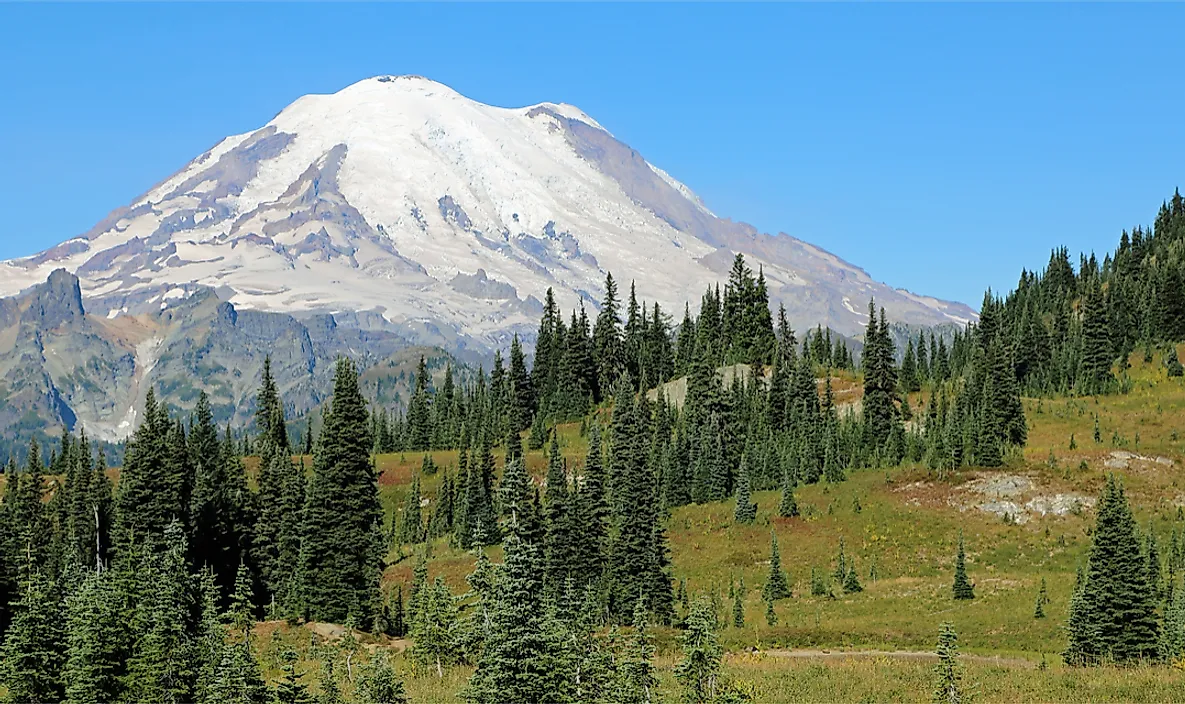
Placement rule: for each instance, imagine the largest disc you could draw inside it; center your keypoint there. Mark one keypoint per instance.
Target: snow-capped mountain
(403, 202)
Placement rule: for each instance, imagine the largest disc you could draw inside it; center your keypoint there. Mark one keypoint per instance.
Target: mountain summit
(398, 196)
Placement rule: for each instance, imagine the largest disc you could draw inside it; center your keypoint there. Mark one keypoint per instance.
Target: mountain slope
(446, 217)
(61, 366)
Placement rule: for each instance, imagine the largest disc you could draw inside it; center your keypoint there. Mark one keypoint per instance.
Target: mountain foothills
(565, 531)
(61, 366)
(442, 219)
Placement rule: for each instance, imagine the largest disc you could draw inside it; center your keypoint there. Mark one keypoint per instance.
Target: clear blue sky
(941, 147)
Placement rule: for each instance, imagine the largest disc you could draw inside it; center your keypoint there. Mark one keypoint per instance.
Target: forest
(537, 533)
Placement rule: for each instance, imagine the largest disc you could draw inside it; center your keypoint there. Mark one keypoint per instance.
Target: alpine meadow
(404, 397)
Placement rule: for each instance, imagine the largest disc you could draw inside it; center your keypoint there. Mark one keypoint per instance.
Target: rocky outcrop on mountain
(399, 199)
(62, 367)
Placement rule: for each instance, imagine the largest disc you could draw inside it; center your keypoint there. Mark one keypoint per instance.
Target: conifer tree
(435, 629)
(34, 644)
(637, 680)
(949, 675)
(777, 586)
(738, 609)
(1097, 354)
(607, 345)
(880, 383)
(419, 412)
(522, 391)
(220, 502)
(592, 515)
(558, 548)
(1113, 612)
(148, 497)
(163, 663)
(380, 684)
(851, 581)
(1171, 646)
(290, 689)
(746, 510)
(411, 528)
(962, 589)
(787, 506)
(699, 671)
(341, 554)
(638, 559)
(523, 659)
(95, 631)
(1172, 364)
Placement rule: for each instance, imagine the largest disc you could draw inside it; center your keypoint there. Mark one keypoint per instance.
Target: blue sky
(940, 146)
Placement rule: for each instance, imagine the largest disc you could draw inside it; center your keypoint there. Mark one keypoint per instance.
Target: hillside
(1024, 522)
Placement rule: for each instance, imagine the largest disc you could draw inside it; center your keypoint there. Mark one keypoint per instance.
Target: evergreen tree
(411, 527)
(163, 662)
(220, 502)
(699, 671)
(962, 589)
(880, 383)
(95, 631)
(638, 559)
(1097, 354)
(289, 689)
(522, 660)
(1113, 612)
(1175, 369)
(746, 510)
(435, 629)
(419, 412)
(558, 550)
(738, 609)
(1171, 647)
(341, 554)
(788, 506)
(591, 514)
(777, 586)
(851, 581)
(607, 343)
(637, 681)
(949, 689)
(34, 644)
(380, 685)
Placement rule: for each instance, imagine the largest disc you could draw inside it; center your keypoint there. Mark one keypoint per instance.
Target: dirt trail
(809, 653)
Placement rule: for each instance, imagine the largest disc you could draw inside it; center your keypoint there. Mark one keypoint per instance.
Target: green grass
(908, 526)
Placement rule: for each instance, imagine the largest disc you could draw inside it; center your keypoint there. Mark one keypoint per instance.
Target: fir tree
(163, 662)
(435, 630)
(962, 589)
(1113, 612)
(289, 689)
(787, 506)
(949, 675)
(341, 556)
(522, 660)
(411, 528)
(1172, 364)
(95, 633)
(746, 510)
(851, 581)
(699, 671)
(607, 344)
(379, 684)
(637, 681)
(419, 412)
(777, 586)
(738, 609)
(34, 645)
